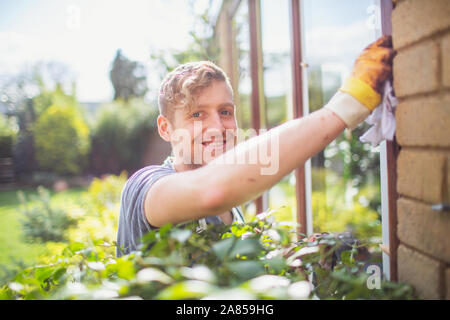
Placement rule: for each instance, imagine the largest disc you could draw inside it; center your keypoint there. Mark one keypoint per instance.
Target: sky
(85, 34)
(334, 33)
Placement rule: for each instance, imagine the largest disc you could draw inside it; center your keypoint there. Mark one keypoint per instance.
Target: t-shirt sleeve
(133, 223)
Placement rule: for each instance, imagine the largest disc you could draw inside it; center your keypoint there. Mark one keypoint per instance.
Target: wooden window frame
(392, 151)
(298, 108)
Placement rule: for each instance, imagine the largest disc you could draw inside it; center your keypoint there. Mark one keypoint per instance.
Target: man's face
(208, 129)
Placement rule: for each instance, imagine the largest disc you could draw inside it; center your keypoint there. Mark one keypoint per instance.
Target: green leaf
(74, 247)
(277, 264)
(149, 237)
(347, 258)
(164, 230)
(43, 273)
(231, 248)
(59, 273)
(245, 270)
(223, 247)
(190, 289)
(124, 269)
(248, 248)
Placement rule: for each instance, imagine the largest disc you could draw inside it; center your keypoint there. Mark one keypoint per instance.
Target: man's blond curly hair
(181, 86)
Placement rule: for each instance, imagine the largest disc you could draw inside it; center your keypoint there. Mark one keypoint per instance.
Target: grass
(14, 250)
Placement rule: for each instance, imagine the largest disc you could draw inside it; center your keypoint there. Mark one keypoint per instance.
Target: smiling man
(210, 174)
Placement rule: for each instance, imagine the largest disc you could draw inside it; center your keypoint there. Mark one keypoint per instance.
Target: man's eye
(196, 114)
(226, 113)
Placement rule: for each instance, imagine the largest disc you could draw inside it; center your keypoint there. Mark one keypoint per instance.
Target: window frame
(389, 149)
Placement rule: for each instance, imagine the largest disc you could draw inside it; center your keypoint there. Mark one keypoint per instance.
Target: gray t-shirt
(133, 224)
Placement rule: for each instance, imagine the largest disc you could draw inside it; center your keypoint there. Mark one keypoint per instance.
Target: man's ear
(164, 128)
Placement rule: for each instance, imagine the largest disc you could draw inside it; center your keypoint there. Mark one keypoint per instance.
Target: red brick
(445, 54)
(416, 69)
(413, 20)
(424, 229)
(421, 175)
(424, 121)
(422, 272)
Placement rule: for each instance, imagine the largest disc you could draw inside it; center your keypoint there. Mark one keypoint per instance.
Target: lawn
(13, 247)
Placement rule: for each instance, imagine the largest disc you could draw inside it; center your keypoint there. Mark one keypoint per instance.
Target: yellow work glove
(365, 84)
(371, 69)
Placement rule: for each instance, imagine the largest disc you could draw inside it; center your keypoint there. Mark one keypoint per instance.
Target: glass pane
(345, 176)
(244, 88)
(275, 36)
(243, 94)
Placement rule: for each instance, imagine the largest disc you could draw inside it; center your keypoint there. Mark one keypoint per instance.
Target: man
(210, 174)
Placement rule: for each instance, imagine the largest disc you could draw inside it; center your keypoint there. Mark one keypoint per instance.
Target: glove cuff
(362, 92)
(346, 107)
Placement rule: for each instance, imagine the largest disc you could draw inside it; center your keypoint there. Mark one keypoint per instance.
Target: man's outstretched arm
(223, 184)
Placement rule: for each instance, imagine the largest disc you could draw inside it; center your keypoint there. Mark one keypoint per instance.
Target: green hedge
(120, 135)
(61, 140)
(258, 260)
(44, 222)
(8, 135)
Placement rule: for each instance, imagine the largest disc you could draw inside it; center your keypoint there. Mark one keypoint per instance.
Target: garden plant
(262, 259)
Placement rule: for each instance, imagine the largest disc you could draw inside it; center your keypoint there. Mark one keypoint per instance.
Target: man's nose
(215, 121)
(215, 125)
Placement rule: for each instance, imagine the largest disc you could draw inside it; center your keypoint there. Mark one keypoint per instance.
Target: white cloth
(382, 119)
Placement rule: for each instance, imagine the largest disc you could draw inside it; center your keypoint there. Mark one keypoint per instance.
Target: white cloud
(340, 44)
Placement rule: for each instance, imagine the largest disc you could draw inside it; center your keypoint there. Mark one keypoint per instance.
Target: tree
(203, 45)
(25, 96)
(61, 139)
(127, 77)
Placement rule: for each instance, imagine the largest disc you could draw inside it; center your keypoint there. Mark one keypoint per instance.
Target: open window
(286, 59)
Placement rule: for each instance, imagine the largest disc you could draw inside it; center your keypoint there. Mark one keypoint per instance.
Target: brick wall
(421, 36)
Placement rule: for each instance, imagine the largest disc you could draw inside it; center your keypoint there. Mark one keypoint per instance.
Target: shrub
(44, 222)
(333, 210)
(100, 215)
(334, 216)
(8, 135)
(62, 140)
(252, 261)
(262, 259)
(57, 96)
(339, 206)
(120, 135)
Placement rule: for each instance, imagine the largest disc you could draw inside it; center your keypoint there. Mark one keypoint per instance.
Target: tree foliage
(8, 135)
(44, 222)
(127, 77)
(257, 260)
(203, 45)
(120, 135)
(62, 140)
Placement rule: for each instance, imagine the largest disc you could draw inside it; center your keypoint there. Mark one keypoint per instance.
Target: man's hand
(374, 65)
(371, 69)
(361, 92)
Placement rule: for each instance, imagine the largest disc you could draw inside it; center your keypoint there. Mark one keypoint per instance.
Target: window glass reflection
(277, 73)
(243, 93)
(345, 176)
